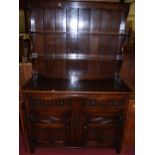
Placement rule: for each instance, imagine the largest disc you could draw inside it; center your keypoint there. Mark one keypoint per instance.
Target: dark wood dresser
(75, 97)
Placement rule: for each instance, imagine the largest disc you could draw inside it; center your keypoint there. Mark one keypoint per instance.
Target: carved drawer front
(103, 105)
(48, 105)
(102, 130)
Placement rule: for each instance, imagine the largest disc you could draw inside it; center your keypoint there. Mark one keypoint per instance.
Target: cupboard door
(101, 129)
(49, 121)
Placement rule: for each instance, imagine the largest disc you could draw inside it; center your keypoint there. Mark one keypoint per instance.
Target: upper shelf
(75, 56)
(80, 33)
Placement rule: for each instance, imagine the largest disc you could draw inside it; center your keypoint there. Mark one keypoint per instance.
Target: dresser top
(83, 39)
(77, 45)
(73, 84)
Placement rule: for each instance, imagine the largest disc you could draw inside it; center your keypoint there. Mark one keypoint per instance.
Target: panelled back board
(84, 39)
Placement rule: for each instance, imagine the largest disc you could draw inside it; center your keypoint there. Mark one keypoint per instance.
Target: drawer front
(49, 105)
(94, 105)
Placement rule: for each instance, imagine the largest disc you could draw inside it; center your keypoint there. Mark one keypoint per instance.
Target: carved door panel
(101, 130)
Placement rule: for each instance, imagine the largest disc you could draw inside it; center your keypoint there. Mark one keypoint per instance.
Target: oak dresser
(75, 97)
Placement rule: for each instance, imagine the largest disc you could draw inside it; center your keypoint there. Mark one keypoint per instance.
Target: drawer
(49, 105)
(103, 105)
